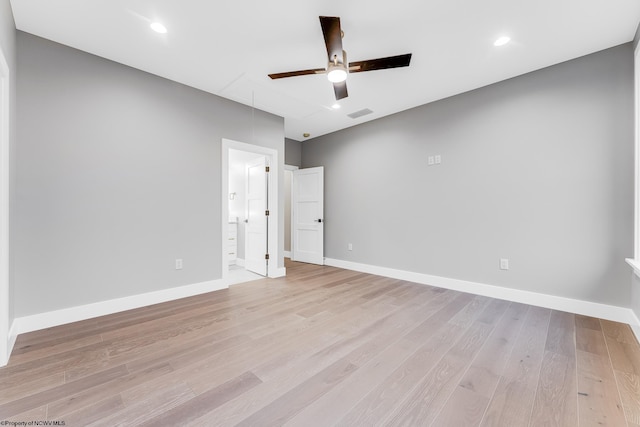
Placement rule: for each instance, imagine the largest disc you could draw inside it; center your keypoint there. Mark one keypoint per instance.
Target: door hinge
(266, 256)
(266, 169)
(266, 213)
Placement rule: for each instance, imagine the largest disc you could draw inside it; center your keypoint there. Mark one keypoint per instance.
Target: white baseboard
(49, 319)
(586, 308)
(277, 272)
(287, 254)
(635, 324)
(13, 335)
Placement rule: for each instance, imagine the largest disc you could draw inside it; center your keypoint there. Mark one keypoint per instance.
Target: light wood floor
(324, 347)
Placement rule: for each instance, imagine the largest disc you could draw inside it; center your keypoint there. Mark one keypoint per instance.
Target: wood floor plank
(423, 404)
(561, 335)
(587, 322)
(592, 341)
(468, 409)
(74, 402)
(482, 376)
(36, 400)
(94, 412)
(331, 407)
(204, 402)
(34, 414)
(510, 405)
(154, 404)
(292, 402)
(281, 373)
(29, 388)
(440, 360)
(327, 346)
(556, 402)
(253, 350)
(488, 366)
(599, 402)
(629, 388)
(618, 331)
(624, 357)
(199, 380)
(512, 402)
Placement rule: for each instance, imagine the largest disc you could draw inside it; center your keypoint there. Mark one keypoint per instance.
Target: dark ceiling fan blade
(297, 73)
(340, 89)
(332, 37)
(380, 63)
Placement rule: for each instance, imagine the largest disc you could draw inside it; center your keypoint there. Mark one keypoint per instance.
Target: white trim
(240, 262)
(636, 182)
(278, 272)
(5, 340)
(290, 168)
(274, 237)
(13, 335)
(49, 319)
(635, 324)
(635, 265)
(587, 308)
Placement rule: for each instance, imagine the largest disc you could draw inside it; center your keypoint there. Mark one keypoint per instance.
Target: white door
(308, 215)
(255, 240)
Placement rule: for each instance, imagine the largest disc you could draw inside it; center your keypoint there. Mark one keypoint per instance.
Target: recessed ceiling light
(335, 106)
(158, 27)
(501, 41)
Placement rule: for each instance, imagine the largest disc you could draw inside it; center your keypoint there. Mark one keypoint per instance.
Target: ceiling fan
(338, 68)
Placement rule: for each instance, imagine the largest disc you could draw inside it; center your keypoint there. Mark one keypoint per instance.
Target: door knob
(317, 220)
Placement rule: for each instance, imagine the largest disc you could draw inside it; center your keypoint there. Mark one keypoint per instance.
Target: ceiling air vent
(360, 113)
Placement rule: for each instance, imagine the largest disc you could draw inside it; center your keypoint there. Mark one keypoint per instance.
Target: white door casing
(256, 245)
(274, 242)
(308, 215)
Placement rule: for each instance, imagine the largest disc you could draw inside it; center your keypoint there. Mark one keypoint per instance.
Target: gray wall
(118, 175)
(537, 169)
(292, 152)
(8, 46)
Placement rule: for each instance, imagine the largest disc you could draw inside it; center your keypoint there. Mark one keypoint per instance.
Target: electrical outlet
(350, 247)
(504, 264)
(431, 160)
(179, 264)
(438, 159)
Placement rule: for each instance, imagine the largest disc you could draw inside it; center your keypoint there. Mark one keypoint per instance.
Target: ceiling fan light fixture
(158, 27)
(501, 41)
(336, 73)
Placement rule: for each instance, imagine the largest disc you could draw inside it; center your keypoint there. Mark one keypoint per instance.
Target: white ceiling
(228, 47)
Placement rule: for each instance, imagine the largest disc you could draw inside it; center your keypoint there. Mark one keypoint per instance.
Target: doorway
(307, 215)
(249, 217)
(288, 208)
